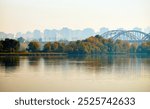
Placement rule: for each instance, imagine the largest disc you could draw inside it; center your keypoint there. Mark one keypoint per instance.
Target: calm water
(84, 73)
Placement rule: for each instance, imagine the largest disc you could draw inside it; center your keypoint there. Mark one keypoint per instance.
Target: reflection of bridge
(131, 35)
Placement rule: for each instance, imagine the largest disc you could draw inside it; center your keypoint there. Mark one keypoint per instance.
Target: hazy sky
(24, 15)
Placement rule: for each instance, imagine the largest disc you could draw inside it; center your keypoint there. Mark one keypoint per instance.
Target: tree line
(92, 45)
(9, 45)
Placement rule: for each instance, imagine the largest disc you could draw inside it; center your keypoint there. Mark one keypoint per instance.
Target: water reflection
(96, 63)
(100, 64)
(34, 60)
(76, 73)
(53, 60)
(9, 63)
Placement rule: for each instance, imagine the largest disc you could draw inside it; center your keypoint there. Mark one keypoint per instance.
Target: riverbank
(54, 54)
(33, 54)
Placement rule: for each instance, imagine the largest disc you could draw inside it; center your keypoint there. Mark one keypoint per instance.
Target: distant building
(37, 35)
(3, 36)
(88, 32)
(103, 30)
(49, 35)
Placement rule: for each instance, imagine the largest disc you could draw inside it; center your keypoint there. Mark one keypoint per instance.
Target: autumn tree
(47, 47)
(54, 46)
(126, 46)
(34, 46)
(133, 48)
(144, 47)
(118, 46)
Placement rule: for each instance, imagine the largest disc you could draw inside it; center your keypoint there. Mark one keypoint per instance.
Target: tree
(110, 45)
(54, 46)
(61, 47)
(133, 48)
(125, 46)
(145, 47)
(118, 46)
(10, 45)
(68, 49)
(34, 46)
(47, 47)
(1, 46)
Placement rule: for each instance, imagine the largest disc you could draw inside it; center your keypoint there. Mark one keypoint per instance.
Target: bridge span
(129, 35)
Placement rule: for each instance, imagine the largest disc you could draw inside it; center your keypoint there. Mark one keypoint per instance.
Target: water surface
(76, 73)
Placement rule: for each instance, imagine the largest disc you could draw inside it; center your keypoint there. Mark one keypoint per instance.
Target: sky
(27, 15)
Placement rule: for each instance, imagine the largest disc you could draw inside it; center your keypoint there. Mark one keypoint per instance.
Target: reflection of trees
(145, 58)
(9, 62)
(94, 63)
(139, 59)
(109, 63)
(34, 60)
(142, 55)
(49, 60)
(121, 60)
(94, 60)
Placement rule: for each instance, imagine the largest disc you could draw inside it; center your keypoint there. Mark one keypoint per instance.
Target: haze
(24, 15)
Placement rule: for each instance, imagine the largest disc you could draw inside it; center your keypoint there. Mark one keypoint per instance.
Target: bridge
(130, 35)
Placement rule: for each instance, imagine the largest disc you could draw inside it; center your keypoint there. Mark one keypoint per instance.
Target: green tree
(1, 46)
(10, 45)
(68, 49)
(145, 47)
(110, 45)
(61, 47)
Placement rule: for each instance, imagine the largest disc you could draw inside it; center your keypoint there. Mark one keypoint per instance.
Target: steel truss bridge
(130, 35)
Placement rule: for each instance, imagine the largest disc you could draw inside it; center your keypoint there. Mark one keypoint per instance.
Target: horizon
(28, 15)
(64, 33)
(146, 29)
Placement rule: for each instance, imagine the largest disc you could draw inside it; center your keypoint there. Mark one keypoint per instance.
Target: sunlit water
(76, 73)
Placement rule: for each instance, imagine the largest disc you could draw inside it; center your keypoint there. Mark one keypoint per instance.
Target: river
(109, 73)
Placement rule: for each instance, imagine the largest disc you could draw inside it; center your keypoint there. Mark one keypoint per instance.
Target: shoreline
(62, 54)
(33, 54)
